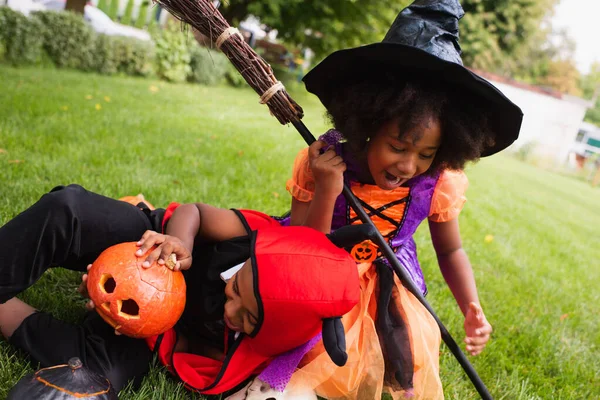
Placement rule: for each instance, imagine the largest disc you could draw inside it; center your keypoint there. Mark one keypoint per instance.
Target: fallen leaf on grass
(2, 151)
(89, 97)
(275, 194)
(15, 161)
(240, 153)
(563, 317)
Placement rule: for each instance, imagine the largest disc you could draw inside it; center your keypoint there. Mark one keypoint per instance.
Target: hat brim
(343, 65)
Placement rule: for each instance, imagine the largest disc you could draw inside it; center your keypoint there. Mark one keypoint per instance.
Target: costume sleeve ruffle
(302, 183)
(449, 196)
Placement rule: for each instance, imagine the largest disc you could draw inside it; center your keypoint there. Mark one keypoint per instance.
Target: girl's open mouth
(392, 179)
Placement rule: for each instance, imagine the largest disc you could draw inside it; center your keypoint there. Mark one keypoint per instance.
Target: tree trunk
(76, 6)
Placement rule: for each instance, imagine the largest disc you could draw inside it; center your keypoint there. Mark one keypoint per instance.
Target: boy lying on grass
(254, 289)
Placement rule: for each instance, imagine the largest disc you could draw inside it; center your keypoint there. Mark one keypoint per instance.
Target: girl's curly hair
(359, 109)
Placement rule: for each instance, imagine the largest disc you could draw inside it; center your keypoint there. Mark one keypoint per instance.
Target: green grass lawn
(538, 279)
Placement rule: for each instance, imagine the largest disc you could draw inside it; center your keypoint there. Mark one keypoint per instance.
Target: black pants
(70, 227)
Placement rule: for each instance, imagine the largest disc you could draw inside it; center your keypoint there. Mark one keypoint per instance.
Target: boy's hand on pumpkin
(477, 329)
(327, 167)
(166, 247)
(82, 289)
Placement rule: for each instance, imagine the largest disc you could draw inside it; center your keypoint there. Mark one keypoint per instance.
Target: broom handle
(387, 251)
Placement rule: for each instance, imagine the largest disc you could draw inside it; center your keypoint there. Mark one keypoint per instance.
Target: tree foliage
(324, 26)
(509, 37)
(590, 84)
(493, 31)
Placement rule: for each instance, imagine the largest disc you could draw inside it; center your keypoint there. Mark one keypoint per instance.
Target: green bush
(117, 54)
(172, 54)
(525, 152)
(283, 74)
(21, 38)
(134, 56)
(208, 67)
(105, 55)
(68, 40)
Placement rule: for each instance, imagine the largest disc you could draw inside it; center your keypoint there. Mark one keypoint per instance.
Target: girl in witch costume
(255, 289)
(407, 116)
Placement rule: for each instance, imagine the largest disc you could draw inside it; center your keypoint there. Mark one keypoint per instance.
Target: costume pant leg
(49, 341)
(68, 227)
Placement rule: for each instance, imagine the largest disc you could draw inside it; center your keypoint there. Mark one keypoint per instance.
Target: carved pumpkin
(364, 252)
(138, 302)
(135, 200)
(63, 382)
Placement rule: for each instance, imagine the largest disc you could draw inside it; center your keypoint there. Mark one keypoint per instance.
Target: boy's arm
(197, 220)
(189, 222)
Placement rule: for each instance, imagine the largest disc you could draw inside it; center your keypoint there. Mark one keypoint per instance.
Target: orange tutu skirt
(363, 376)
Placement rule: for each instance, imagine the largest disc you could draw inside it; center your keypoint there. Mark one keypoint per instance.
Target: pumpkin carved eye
(107, 283)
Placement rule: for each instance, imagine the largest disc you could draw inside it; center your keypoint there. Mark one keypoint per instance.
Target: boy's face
(241, 308)
(394, 157)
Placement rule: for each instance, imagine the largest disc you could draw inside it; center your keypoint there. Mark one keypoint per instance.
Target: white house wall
(551, 123)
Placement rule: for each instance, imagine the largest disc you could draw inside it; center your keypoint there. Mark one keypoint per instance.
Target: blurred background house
(553, 129)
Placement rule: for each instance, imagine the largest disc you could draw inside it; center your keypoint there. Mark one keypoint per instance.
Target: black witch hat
(423, 41)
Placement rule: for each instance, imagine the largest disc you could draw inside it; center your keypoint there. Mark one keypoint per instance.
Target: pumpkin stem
(75, 363)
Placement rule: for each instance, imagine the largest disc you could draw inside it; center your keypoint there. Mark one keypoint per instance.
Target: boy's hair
(360, 109)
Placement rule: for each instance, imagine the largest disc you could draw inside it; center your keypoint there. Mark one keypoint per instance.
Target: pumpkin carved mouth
(106, 316)
(128, 309)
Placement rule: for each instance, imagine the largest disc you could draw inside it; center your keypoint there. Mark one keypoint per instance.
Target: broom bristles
(203, 16)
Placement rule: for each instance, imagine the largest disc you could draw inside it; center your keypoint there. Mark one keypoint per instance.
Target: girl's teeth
(393, 179)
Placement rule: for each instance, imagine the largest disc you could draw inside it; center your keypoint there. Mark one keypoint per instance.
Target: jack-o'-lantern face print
(364, 252)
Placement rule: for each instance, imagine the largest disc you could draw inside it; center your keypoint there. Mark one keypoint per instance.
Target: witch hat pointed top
(422, 41)
(430, 25)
